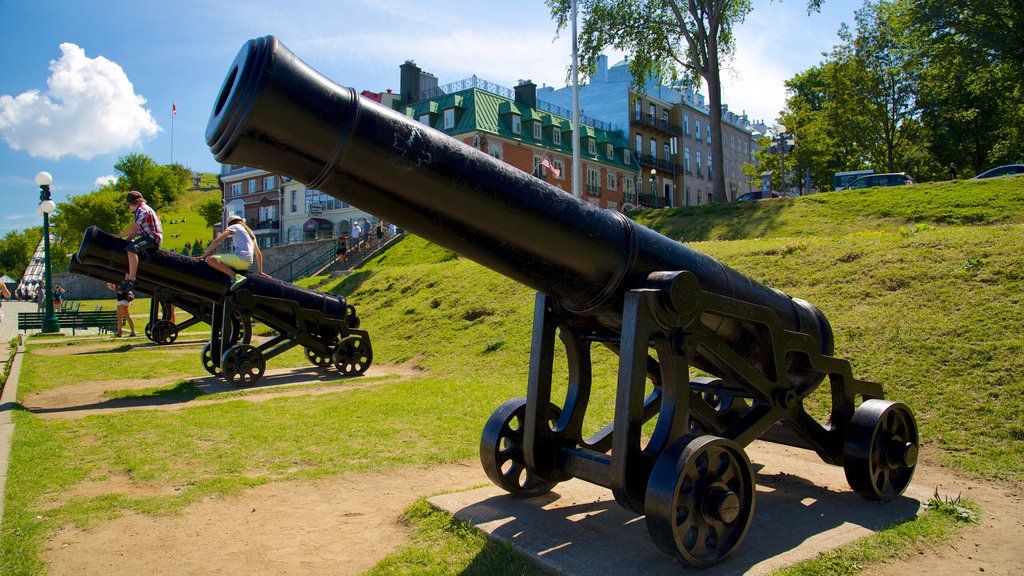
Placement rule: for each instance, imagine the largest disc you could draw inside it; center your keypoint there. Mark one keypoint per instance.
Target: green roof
(481, 111)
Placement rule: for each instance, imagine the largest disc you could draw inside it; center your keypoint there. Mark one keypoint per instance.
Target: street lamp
(46, 206)
(782, 148)
(654, 194)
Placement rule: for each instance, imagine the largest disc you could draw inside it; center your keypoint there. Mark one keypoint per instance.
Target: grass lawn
(924, 295)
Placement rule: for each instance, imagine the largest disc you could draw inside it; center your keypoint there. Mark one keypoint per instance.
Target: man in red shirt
(144, 235)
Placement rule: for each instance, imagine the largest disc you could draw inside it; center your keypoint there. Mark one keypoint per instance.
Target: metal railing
(300, 266)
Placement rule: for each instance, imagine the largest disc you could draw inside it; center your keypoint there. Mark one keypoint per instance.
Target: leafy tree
(104, 208)
(665, 39)
(17, 249)
(160, 185)
(212, 210)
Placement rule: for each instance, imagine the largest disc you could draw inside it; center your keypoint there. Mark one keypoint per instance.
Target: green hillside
(929, 309)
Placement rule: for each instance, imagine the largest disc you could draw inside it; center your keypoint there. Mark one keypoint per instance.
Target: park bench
(105, 320)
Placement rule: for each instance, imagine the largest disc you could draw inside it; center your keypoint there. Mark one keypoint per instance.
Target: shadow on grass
(351, 283)
(182, 392)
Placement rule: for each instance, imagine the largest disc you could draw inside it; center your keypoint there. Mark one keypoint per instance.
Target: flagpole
(174, 112)
(577, 190)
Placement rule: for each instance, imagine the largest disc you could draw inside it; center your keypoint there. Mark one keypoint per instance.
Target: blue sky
(83, 83)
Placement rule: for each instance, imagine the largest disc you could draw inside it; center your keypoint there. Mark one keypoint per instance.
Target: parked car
(1008, 170)
(757, 196)
(873, 180)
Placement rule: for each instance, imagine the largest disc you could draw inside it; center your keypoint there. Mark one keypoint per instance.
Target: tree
(104, 208)
(665, 39)
(212, 210)
(17, 249)
(160, 185)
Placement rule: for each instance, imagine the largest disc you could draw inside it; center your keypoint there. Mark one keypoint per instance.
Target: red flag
(174, 109)
(546, 162)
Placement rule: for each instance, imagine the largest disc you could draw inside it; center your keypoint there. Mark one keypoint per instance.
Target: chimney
(602, 68)
(409, 79)
(526, 93)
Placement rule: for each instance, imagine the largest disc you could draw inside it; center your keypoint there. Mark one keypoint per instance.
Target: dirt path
(345, 525)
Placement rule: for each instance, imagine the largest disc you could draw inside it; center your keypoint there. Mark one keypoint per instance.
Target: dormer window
(591, 147)
(449, 119)
(517, 124)
(537, 131)
(556, 136)
(625, 156)
(425, 119)
(610, 151)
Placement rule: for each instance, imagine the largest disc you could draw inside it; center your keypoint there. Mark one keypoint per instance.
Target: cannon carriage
(326, 326)
(666, 310)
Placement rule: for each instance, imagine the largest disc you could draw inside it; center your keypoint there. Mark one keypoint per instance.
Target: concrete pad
(803, 507)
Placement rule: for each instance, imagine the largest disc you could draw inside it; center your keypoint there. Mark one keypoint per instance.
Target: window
(674, 142)
(654, 148)
(709, 132)
(494, 149)
(449, 119)
(610, 152)
(686, 124)
(517, 124)
(667, 152)
(639, 144)
(612, 179)
(709, 165)
(236, 189)
(627, 189)
(664, 119)
(625, 157)
(698, 162)
(294, 234)
(556, 136)
(697, 135)
(652, 112)
(593, 182)
(636, 111)
(425, 119)
(591, 147)
(269, 183)
(295, 201)
(252, 186)
(686, 158)
(560, 166)
(613, 205)
(538, 170)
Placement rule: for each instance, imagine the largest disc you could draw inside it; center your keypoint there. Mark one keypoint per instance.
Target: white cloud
(104, 180)
(90, 108)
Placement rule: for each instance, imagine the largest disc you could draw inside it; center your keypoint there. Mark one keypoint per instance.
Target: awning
(321, 223)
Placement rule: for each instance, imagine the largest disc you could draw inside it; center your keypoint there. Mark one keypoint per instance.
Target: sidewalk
(8, 331)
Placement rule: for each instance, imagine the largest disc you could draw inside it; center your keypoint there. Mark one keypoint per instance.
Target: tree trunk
(715, 112)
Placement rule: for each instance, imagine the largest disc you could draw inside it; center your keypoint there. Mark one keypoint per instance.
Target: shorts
(141, 244)
(122, 302)
(233, 261)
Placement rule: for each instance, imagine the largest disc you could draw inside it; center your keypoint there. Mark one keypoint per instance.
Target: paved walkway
(8, 331)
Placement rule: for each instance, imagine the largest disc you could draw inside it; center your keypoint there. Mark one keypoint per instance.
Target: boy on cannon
(144, 235)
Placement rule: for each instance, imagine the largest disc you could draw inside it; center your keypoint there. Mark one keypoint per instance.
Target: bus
(840, 180)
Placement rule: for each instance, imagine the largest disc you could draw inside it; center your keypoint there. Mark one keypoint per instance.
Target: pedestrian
(245, 252)
(380, 232)
(6, 294)
(58, 297)
(144, 235)
(41, 295)
(356, 235)
(952, 171)
(392, 230)
(366, 232)
(124, 300)
(341, 252)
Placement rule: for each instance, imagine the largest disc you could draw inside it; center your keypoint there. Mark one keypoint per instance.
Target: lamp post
(654, 193)
(46, 206)
(782, 149)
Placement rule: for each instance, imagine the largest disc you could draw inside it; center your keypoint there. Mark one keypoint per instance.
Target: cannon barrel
(101, 254)
(276, 112)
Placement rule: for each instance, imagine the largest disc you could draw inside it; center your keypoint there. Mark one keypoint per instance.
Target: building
(513, 126)
(255, 195)
(670, 133)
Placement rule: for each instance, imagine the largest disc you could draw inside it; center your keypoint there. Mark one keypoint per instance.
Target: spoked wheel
(700, 499)
(163, 332)
(881, 447)
(208, 360)
(149, 330)
(317, 359)
(352, 356)
(501, 451)
(242, 365)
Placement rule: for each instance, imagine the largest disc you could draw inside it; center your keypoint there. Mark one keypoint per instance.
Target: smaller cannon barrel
(101, 253)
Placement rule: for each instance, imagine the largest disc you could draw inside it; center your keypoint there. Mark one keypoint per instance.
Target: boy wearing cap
(144, 235)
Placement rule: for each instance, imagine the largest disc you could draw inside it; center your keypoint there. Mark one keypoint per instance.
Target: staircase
(355, 258)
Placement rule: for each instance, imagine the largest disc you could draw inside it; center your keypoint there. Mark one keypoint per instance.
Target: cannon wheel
(149, 330)
(501, 451)
(163, 332)
(242, 364)
(207, 358)
(317, 360)
(352, 356)
(880, 452)
(700, 499)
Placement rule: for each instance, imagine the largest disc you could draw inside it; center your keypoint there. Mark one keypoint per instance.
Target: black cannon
(663, 308)
(325, 325)
(160, 328)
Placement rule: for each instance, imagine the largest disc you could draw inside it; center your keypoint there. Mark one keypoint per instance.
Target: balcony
(655, 162)
(663, 125)
(266, 226)
(593, 190)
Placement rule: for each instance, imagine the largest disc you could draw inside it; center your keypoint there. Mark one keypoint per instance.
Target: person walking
(144, 235)
(124, 300)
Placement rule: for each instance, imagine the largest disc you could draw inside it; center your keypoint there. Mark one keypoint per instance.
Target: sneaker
(237, 280)
(126, 286)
